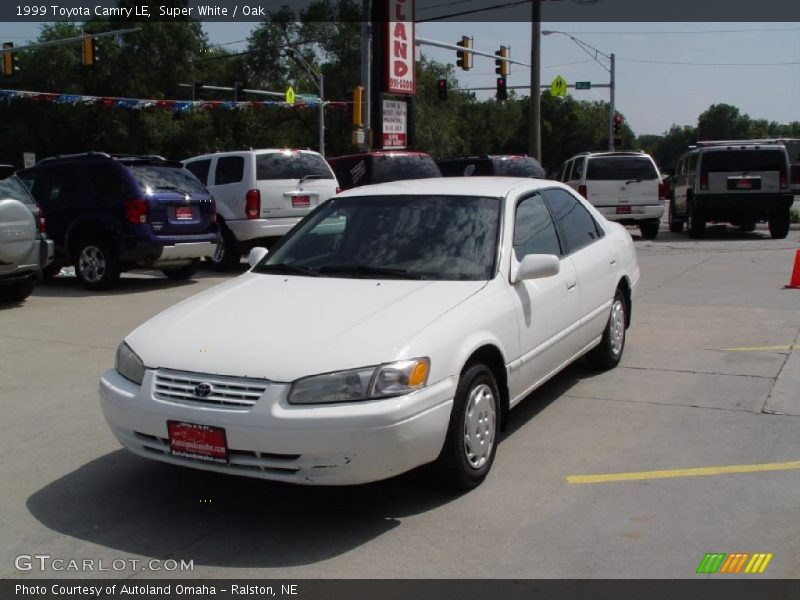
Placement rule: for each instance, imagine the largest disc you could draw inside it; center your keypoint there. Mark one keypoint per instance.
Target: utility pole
(536, 93)
(366, 70)
(613, 109)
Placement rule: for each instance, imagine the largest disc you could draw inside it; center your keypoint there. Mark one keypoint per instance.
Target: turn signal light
(136, 210)
(663, 191)
(583, 192)
(42, 224)
(252, 204)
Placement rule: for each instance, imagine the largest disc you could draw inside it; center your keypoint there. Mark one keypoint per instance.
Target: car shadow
(66, 286)
(714, 233)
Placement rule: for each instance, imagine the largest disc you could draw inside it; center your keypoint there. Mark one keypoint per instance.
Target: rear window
(14, 188)
(387, 167)
(738, 161)
(621, 167)
(793, 148)
(230, 169)
(291, 165)
(153, 177)
(518, 166)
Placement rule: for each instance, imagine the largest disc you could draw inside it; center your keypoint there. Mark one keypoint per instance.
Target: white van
(261, 195)
(625, 187)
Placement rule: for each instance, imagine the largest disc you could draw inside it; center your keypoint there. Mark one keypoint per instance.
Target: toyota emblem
(202, 390)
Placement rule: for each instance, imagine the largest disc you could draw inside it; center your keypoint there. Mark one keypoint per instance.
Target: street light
(596, 54)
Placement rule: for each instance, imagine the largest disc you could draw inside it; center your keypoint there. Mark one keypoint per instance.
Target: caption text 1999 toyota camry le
(395, 326)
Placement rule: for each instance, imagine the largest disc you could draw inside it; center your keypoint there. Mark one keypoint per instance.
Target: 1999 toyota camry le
(395, 326)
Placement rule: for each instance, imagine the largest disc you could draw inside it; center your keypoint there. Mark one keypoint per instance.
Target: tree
(722, 122)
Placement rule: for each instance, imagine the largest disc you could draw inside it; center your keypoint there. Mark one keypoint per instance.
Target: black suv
(500, 165)
(355, 170)
(108, 214)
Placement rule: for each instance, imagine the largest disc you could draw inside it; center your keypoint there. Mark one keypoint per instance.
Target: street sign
(28, 159)
(559, 86)
(583, 85)
(395, 123)
(290, 95)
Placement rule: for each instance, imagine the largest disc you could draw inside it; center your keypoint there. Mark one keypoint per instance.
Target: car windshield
(12, 187)
(393, 237)
(608, 168)
(291, 165)
(739, 161)
(394, 167)
(518, 166)
(163, 178)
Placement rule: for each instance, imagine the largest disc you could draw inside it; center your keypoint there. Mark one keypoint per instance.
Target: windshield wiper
(633, 181)
(370, 270)
(305, 178)
(287, 268)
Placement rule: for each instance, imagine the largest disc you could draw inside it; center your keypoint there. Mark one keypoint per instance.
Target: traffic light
(10, 65)
(502, 66)
(198, 90)
(91, 49)
(441, 87)
(617, 124)
(502, 92)
(464, 58)
(358, 99)
(238, 91)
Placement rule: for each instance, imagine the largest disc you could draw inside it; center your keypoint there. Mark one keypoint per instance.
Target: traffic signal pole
(612, 110)
(535, 97)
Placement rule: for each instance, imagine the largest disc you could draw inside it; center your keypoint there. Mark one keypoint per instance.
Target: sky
(739, 63)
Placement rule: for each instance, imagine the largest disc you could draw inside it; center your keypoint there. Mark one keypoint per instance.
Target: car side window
(230, 169)
(108, 182)
(534, 231)
(577, 224)
(200, 169)
(691, 164)
(562, 171)
(568, 171)
(64, 187)
(577, 172)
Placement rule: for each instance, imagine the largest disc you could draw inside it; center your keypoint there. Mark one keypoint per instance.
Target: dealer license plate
(202, 442)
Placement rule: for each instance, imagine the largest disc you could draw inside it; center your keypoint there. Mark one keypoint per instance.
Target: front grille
(231, 393)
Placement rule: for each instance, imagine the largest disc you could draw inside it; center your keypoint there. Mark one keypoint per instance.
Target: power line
(702, 31)
(696, 64)
(443, 4)
(473, 11)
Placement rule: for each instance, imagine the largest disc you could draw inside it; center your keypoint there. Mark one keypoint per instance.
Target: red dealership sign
(399, 47)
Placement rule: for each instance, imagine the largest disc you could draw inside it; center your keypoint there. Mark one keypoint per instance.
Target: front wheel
(471, 442)
(608, 354)
(675, 225)
(649, 229)
(181, 273)
(96, 264)
(696, 222)
(779, 225)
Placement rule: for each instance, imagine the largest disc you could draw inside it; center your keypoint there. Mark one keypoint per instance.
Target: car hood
(282, 327)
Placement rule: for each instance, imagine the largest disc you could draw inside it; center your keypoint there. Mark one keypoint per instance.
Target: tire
(226, 257)
(649, 229)
(50, 272)
(696, 223)
(779, 225)
(609, 352)
(17, 292)
(96, 264)
(181, 273)
(675, 225)
(747, 225)
(467, 455)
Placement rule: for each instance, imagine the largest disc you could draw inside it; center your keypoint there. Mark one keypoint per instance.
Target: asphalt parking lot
(709, 379)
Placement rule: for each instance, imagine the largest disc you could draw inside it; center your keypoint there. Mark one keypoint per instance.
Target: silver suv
(740, 183)
(24, 250)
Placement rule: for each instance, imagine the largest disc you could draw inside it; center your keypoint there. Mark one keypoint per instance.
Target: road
(709, 379)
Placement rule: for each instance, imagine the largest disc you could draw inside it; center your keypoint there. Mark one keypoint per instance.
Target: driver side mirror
(535, 266)
(255, 256)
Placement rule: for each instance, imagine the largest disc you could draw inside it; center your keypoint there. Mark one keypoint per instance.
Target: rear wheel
(649, 229)
(471, 442)
(226, 257)
(696, 222)
(96, 264)
(675, 225)
(181, 273)
(779, 225)
(608, 354)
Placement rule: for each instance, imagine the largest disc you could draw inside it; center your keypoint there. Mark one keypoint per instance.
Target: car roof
(493, 187)
(380, 153)
(249, 151)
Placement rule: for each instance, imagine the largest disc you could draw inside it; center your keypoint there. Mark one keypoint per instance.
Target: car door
(547, 309)
(681, 186)
(595, 259)
(229, 188)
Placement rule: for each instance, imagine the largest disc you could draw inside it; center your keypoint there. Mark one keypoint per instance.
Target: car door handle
(612, 261)
(571, 285)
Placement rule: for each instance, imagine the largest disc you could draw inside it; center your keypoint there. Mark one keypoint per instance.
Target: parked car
(624, 186)
(369, 168)
(24, 247)
(739, 183)
(502, 165)
(108, 214)
(6, 170)
(261, 195)
(445, 302)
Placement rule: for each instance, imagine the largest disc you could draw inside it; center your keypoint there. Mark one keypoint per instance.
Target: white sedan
(395, 326)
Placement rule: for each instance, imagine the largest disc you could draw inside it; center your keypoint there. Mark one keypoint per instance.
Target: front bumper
(252, 229)
(639, 212)
(323, 444)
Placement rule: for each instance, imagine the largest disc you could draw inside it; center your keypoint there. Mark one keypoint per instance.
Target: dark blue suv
(108, 214)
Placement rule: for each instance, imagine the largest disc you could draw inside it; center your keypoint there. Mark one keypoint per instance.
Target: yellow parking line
(692, 472)
(761, 348)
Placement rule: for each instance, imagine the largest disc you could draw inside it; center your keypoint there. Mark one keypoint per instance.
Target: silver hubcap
(479, 425)
(92, 264)
(616, 327)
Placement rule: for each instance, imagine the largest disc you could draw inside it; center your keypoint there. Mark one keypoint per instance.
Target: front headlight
(369, 383)
(128, 364)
